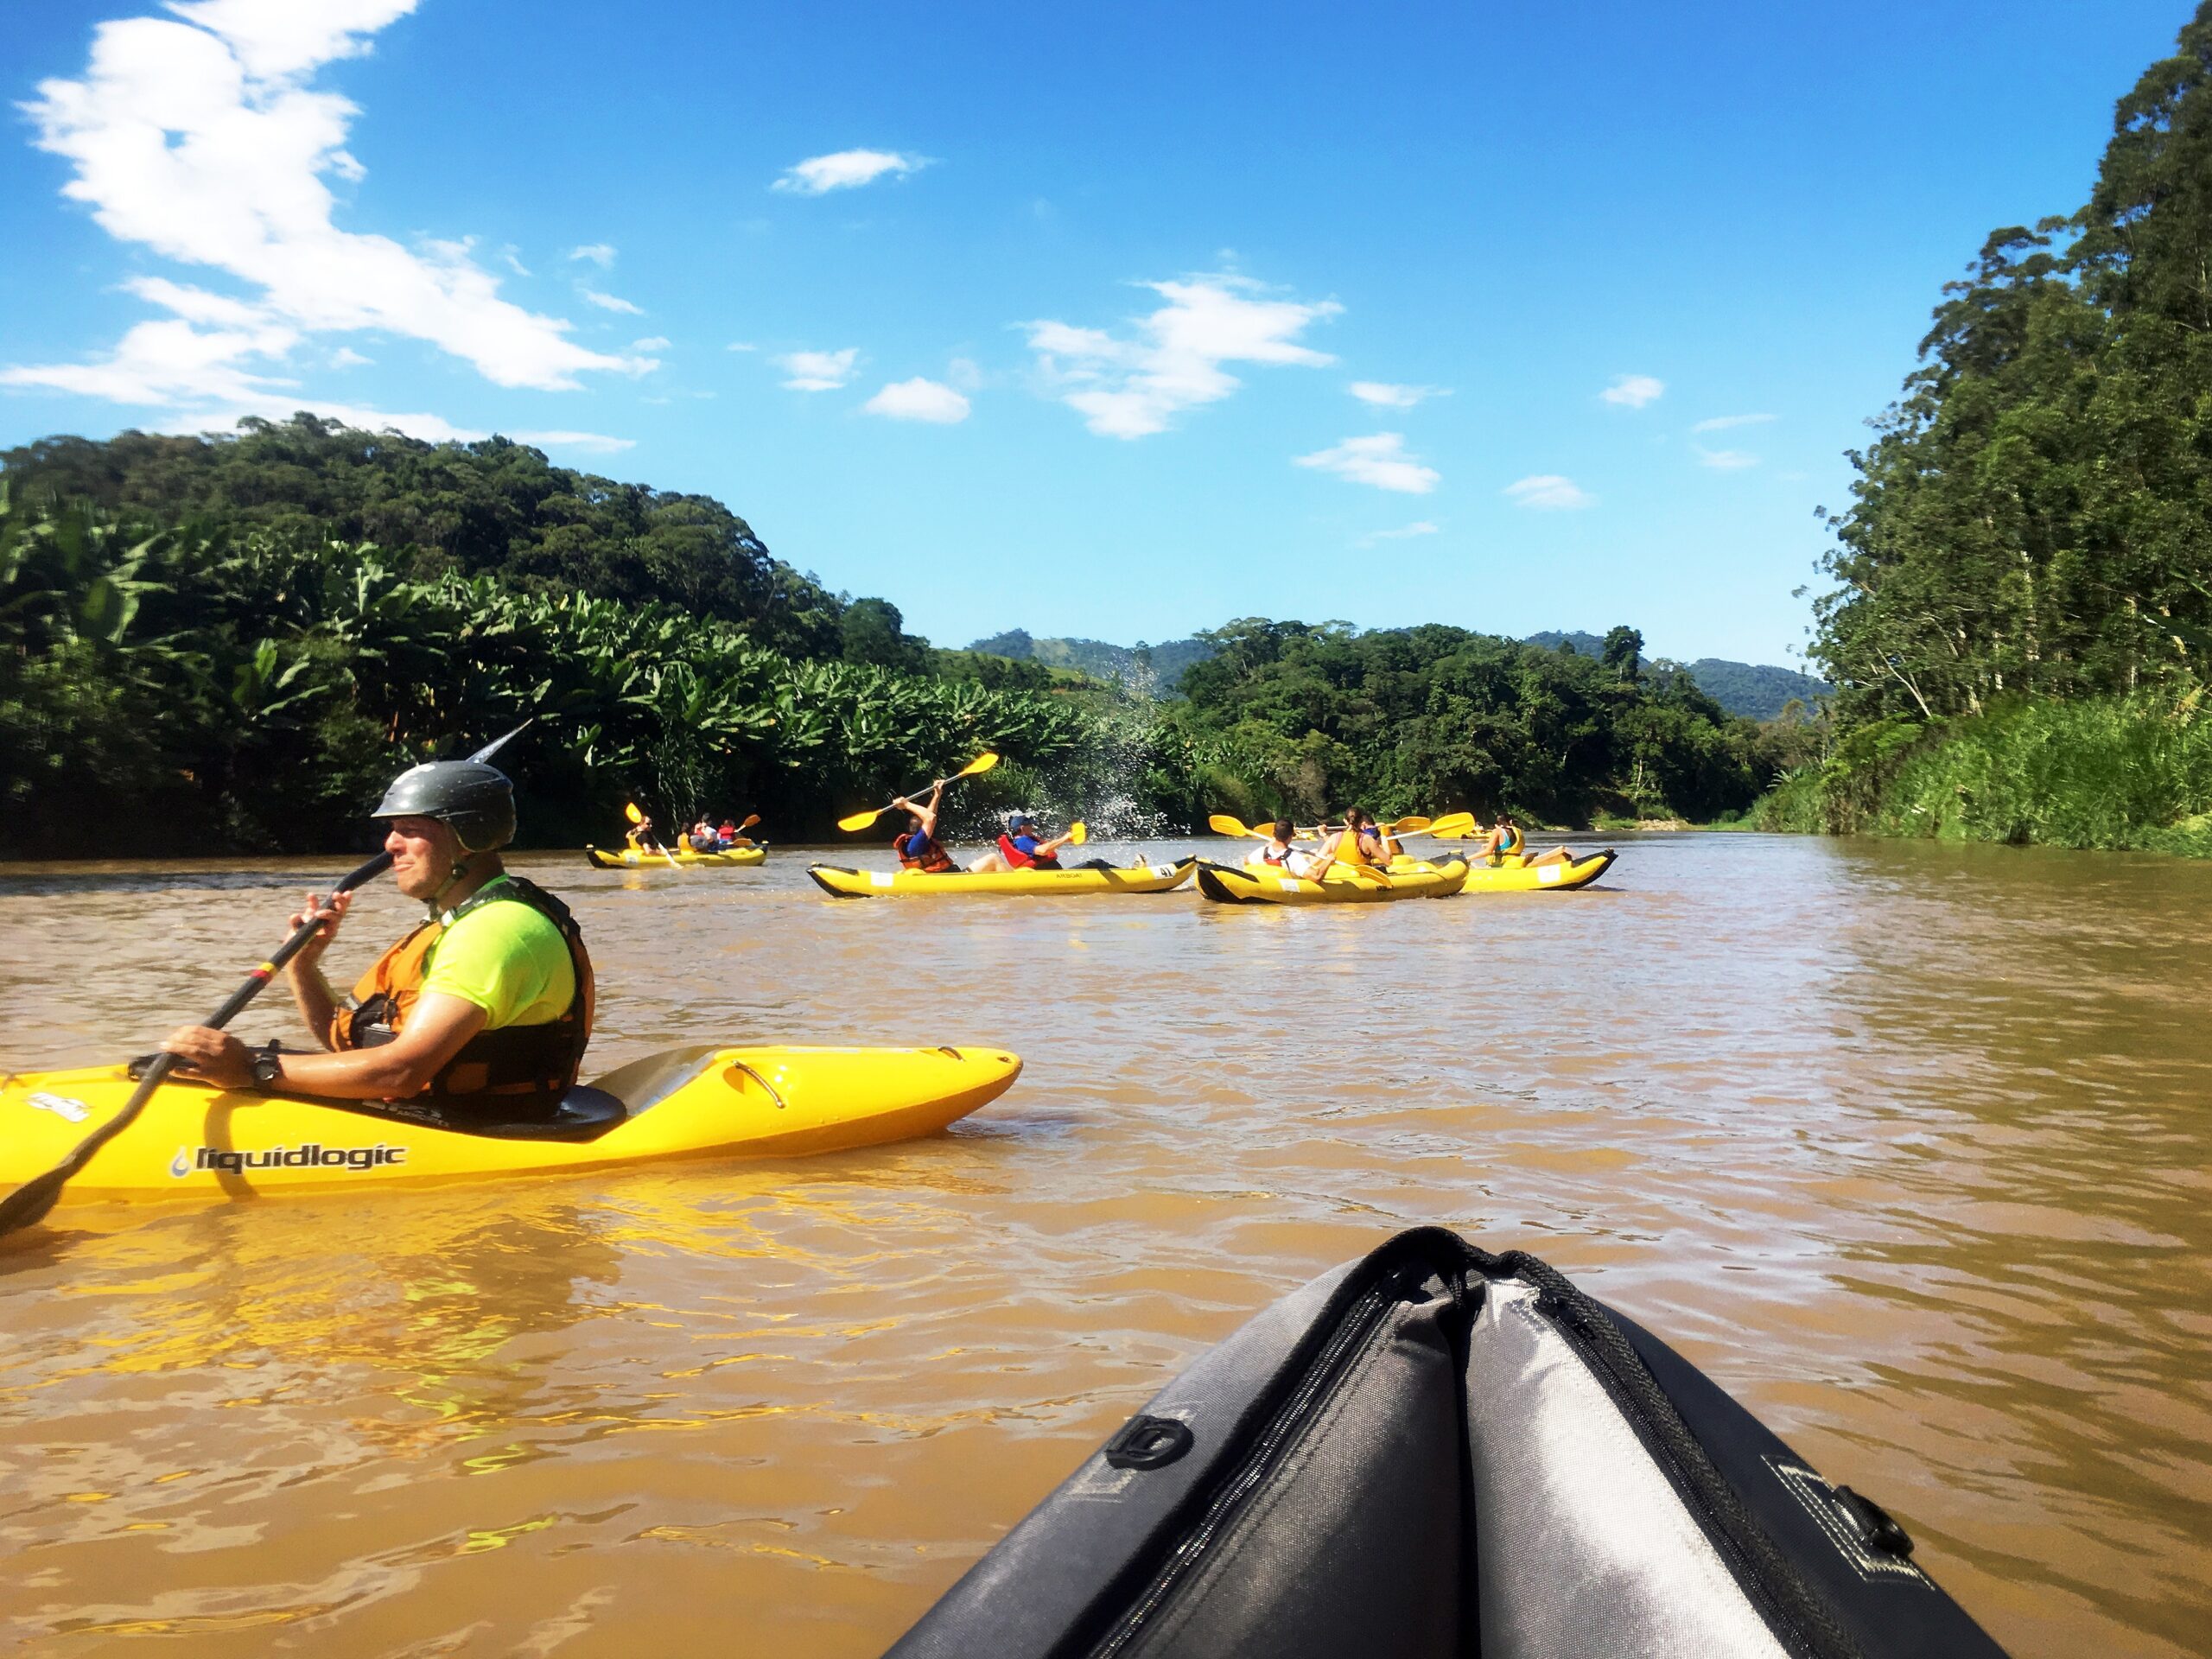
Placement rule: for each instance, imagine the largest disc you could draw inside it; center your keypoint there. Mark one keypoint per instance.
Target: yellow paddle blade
(630, 811)
(1410, 826)
(1079, 832)
(861, 820)
(983, 762)
(1222, 824)
(1453, 826)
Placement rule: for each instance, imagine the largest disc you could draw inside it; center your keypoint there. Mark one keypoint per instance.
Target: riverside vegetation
(2023, 612)
(228, 643)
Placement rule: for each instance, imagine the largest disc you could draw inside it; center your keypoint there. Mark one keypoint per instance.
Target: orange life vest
(934, 860)
(524, 1070)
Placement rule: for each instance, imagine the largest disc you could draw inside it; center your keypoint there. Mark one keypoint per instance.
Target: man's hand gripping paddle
(28, 1204)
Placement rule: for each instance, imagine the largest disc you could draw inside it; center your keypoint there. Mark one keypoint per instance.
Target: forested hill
(2021, 611)
(1750, 690)
(231, 644)
(494, 508)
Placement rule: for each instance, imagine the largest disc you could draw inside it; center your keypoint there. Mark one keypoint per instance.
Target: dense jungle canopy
(2031, 526)
(226, 644)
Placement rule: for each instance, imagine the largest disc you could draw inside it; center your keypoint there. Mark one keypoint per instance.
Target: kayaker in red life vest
(1020, 848)
(917, 845)
(482, 1013)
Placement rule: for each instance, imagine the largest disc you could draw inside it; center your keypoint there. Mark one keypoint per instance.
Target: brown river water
(1907, 1145)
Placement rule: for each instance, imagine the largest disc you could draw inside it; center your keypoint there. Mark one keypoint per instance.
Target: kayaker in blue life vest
(917, 845)
(1021, 848)
(1506, 841)
(482, 1013)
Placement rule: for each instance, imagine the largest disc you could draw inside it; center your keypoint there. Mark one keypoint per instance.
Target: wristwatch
(268, 1067)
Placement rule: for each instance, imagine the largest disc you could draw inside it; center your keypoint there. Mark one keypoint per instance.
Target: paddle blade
(1453, 826)
(630, 811)
(983, 762)
(752, 820)
(499, 743)
(853, 821)
(1412, 826)
(1222, 824)
(1079, 832)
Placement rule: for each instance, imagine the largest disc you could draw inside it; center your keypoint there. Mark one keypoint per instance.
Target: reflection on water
(1906, 1144)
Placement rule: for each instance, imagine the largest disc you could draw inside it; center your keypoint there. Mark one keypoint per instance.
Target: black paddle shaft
(29, 1203)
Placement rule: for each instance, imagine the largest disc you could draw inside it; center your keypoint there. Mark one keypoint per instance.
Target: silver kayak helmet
(474, 798)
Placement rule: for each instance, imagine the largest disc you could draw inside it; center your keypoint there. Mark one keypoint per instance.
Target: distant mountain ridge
(1754, 690)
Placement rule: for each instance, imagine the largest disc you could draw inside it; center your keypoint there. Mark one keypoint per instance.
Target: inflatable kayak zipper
(1359, 1328)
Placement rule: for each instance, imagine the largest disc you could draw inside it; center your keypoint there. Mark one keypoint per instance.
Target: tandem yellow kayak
(1242, 884)
(841, 883)
(1514, 876)
(630, 858)
(197, 1142)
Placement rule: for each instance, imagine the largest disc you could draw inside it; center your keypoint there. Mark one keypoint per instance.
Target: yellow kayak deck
(1240, 884)
(841, 883)
(632, 858)
(193, 1140)
(1516, 876)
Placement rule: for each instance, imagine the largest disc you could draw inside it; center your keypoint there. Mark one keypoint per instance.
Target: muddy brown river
(1907, 1145)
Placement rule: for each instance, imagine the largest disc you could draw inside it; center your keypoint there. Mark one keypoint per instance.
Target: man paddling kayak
(1021, 848)
(1279, 854)
(482, 1011)
(917, 845)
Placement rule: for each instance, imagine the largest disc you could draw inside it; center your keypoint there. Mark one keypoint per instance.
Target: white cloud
(743, 345)
(818, 370)
(1420, 528)
(597, 443)
(1381, 461)
(1547, 491)
(346, 357)
(846, 170)
(1634, 390)
(514, 264)
(1727, 460)
(1132, 388)
(962, 372)
(200, 141)
(1722, 423)
(1383, 395)
(600, 253)
(650, 343)
(611, 302)
(171, 362)
(919, 400)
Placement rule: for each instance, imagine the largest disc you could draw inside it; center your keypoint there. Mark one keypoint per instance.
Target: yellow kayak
(1516, 876)
(196, 1142)
(841, 883)
(630, 858)
(1242, 884)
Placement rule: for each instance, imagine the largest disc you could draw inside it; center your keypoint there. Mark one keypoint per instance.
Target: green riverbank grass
(2119, 773)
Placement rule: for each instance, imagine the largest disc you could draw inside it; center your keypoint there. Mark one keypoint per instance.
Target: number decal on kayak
(880, 878)
(1548, 874)
(69, 1110)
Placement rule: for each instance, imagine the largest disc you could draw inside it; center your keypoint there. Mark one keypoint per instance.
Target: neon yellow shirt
(508, 960)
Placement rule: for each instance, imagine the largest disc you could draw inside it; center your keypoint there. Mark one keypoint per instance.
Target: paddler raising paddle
(482, 1013)
(917, 845)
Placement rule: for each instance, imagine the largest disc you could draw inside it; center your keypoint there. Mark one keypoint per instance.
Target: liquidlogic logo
(313, 1155)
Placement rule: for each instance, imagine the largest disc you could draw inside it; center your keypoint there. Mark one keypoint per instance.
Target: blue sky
(1110, 320)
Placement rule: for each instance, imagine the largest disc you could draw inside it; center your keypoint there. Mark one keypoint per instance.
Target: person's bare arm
(310, 990)
(438, 1026)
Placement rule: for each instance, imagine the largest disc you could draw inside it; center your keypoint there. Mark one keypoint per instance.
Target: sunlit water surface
(1906, 1144)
